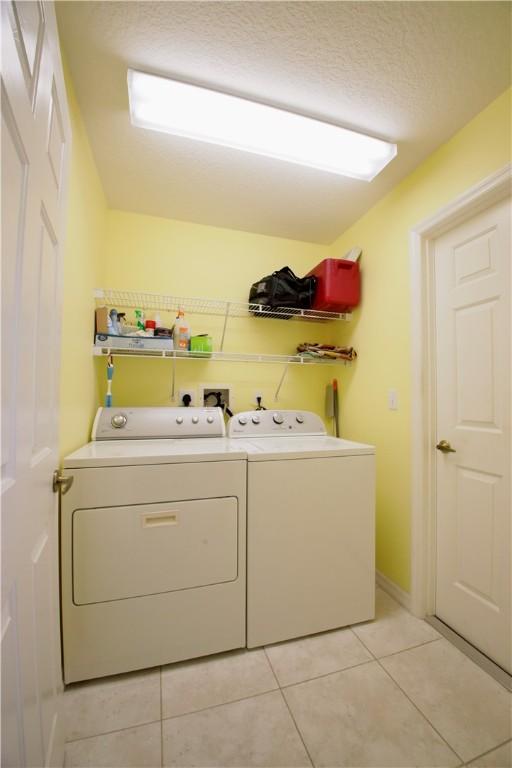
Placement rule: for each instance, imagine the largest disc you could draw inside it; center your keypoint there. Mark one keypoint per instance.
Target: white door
(35, 144)
(472, 290)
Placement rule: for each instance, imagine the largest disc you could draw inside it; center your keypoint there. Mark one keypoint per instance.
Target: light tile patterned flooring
(387, 693)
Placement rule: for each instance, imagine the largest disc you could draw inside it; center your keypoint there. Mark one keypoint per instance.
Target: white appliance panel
(114, 453)
(278, 448)
(158, 548)
(119, 635)
(310, 546)
(275, 424)
(164, 422)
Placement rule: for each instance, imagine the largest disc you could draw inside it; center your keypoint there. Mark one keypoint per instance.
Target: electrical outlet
(191, 393)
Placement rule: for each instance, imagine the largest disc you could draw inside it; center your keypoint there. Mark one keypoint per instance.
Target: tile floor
(387, 693)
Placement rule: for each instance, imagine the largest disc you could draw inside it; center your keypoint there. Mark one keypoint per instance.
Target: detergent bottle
(181, 333)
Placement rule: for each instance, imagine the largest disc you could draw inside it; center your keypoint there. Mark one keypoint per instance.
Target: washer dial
(119, 420)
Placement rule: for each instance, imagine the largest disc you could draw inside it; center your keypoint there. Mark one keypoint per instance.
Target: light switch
(393, 400)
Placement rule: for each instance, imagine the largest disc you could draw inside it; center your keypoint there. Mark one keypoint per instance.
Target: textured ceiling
(409, 72)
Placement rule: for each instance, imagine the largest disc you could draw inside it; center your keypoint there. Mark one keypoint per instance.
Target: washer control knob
(278, 418)
(179, 419)
(255, 419)
(299, 418)
(210, 419)
(119, 420)
(242, 420)
(195, 419)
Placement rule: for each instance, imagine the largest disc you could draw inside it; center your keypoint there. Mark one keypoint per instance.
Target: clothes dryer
(153, 542)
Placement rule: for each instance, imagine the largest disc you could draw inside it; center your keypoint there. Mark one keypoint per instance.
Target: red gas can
(339, 285)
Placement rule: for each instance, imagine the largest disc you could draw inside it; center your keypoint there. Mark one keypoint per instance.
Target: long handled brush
(110, 376)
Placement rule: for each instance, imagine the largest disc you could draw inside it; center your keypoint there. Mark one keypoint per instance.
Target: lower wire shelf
(230, 357)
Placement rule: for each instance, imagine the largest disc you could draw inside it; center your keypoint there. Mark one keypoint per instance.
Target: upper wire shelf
(224, 307)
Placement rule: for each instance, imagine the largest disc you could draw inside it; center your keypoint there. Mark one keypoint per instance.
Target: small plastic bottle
(181, 333)
(113, 326)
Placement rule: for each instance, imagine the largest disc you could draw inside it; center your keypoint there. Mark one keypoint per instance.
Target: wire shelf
(224, 307)
(233, 357)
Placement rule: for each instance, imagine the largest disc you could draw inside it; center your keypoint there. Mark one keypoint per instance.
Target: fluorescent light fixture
(161, 104)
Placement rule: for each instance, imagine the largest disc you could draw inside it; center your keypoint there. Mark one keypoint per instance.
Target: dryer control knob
(299, 418)
(242, 420)
(179, 419)
(210, 419)
(278, 418)
(195, 419)
(255, 419)
(119, 420)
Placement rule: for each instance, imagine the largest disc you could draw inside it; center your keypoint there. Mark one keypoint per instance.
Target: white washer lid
(301, 447)
(115, 453)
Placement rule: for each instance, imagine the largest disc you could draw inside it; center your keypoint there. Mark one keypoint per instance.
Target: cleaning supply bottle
(114, 324)
(181, 333)
(139, 319)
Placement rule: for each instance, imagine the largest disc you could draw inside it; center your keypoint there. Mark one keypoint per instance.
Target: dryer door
(130, 551)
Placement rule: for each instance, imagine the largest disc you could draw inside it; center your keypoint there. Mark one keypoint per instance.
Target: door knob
(445, 447)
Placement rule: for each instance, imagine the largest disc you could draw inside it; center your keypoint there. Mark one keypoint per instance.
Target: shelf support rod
(173, 379)
(226, 315)
(285, 371)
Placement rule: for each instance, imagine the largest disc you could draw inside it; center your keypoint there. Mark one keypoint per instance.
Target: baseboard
(396, 592)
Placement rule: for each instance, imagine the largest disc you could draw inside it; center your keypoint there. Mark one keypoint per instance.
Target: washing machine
(310, 526)
(153, 542)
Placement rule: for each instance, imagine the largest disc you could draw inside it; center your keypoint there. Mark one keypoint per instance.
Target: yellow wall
(184, 259)
(125, 250)
(82, 265)
(381, 327)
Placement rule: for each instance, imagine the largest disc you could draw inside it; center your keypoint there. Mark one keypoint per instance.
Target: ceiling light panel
(161, 104)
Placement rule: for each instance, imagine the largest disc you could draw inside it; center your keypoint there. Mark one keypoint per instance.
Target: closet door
(472, 279)
(35, 143)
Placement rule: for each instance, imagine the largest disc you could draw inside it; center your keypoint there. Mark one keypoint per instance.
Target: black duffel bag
(282, 289)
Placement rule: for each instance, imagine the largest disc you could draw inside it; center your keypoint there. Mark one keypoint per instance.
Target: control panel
(157, 423)
(274, 423)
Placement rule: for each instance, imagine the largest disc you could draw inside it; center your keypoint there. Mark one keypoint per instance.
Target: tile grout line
(252, 695)
(278, 684)
(264, 648)
(288, 706)
(222, 704)
(296, 727)
(326, 674)
(412, 702)
(498, 746)
(116, 730)
(353, 666)
(409, 648)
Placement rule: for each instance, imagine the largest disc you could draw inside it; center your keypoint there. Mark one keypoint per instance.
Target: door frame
(477, 198)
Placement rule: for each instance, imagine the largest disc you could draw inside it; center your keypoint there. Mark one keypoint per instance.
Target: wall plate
(225, 390)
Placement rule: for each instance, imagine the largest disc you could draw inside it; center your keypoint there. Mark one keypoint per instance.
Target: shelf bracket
(226, 316)
(285, 371)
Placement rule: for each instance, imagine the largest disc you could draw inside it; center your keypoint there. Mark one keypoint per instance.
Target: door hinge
(61, 482)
